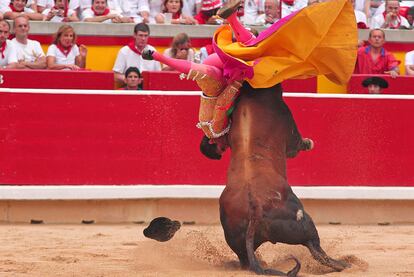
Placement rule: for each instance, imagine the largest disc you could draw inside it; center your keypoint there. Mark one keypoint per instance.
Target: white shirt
(29, 52)
(73, 4)
(297, 5)
(155, 7)
(88, 13)
(53, 51)
(360, 17)
(252, 8)
(378, 20)
(9, 54)
(127, 58)
(5, 3)
(409, 58)
(189, 7)
(57, 18)
(133, 8)
(7, 9)
(261, 20)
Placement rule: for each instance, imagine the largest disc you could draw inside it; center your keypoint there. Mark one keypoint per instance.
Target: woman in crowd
(174, 7)
(180, 49)
(64, 53)
(133, 79)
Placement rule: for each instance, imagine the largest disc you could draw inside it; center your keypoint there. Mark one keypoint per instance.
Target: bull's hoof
(162, 229)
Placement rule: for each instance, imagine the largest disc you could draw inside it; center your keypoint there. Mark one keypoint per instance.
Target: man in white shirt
(391, 19)
(409, 63)
(57, 13)
(29, 53)
(7, 52)
(18, 7)
(271, 14)
(136, 9)
(130, 55)
(100, 12)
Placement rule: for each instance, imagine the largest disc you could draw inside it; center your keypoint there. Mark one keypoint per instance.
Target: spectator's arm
(81, 58)
(367, 8)
(100, 18)
(34, 16)
(51, 64)
(40, 63)
(73, 18)
(409, 70)
(119, 78)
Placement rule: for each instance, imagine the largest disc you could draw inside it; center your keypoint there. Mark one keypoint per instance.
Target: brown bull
(257, 204)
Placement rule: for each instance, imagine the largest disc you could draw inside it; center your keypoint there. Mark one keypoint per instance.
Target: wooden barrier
(56, 79)
(171, 81)
(53, 137)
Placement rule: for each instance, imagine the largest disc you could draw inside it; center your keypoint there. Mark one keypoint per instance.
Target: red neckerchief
(176, 15)
(106, 11)
(392, 26)
(131, 46)
(14, 9)
(65, 51)
(65, 11)
(289, 2)
(2, 49)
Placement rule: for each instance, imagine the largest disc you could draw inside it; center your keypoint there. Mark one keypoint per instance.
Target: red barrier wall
(399, 85)
(170, 81)
(57, 79)
(152, 139)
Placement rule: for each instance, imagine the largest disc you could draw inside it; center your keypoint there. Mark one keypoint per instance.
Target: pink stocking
(185, 66)
(242, 34)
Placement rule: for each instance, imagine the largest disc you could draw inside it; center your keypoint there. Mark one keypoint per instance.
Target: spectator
(29, 52)
(138, 10)
(410, 17)
(375, 84)
(133, 79)
(363, 6)
(360, 17)
(18, 7)
(130, 55)
(290, 6)
(180, 49)
(75, 5)
(409, 63)
(100, 12)
(252, 9)
(374, 59)
(58, 13)
(155, 7)
(206, 51)
(192, 7)
(64, 53)
(391, 19)
(7, 52)
(271, 14)
(174, 7)
(207, 14)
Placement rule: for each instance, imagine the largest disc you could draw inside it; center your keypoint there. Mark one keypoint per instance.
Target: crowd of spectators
(64, 53)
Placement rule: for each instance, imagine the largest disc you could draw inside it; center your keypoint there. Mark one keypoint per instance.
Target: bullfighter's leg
(228, 11)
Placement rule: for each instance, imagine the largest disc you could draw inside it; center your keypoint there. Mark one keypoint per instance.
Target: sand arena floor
(122, 250)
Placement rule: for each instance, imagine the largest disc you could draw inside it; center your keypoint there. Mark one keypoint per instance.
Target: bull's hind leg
(319, 254)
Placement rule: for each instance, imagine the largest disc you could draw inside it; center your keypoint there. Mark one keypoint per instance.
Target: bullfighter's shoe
(308, 144)
(229, 8)
(147, 54)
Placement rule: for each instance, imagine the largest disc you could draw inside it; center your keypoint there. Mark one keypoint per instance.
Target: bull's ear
(209, 149)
